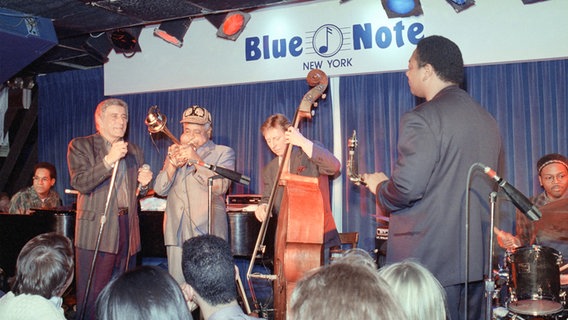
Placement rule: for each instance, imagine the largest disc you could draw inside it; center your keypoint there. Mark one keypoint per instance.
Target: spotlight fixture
(460, 5)
(402, 8)
(125, 40)
(233, 25)
(173, 31)
(98, 47)
(532, 1)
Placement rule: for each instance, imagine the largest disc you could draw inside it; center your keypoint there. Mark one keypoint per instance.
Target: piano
(17, 229)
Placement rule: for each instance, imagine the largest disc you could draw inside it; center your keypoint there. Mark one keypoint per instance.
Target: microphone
(70, 191)
(519, 200)
(229, 174)
(147, 168)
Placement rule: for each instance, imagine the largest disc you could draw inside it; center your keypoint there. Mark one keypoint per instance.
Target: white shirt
(30, 307)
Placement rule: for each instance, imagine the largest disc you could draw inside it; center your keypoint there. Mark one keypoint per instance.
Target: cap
(196, 114)
(551, 158)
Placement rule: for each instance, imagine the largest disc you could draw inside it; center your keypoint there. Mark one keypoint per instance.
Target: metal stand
(489, 283)
(210, 203)
(103, 221)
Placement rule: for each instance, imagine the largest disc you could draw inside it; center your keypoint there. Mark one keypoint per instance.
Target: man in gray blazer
(92, 163)
(308, 159)
(186, 184)
(439, 142)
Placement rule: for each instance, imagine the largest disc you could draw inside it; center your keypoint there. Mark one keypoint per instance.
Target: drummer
(553, 177)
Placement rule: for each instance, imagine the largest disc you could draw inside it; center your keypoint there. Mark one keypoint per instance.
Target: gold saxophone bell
(156, 122)
(352, 161)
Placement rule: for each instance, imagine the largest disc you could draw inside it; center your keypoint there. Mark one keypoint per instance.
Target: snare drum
(535, 280)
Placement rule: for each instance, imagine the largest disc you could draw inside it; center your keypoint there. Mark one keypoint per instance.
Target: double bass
(299, 236)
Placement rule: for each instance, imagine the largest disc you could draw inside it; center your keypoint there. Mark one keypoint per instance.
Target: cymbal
(556, 206)
(554, 220)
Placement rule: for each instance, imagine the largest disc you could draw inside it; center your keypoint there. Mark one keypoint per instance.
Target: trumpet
(352, 161)
(156, 122)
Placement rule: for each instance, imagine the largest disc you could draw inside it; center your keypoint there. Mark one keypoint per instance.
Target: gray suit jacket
(187, 192)
(439, 141)
(91, 178)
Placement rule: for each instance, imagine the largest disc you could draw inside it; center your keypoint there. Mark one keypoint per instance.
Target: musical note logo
(323, 49)
(327, 40)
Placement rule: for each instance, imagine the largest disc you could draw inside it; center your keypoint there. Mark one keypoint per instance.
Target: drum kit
(531, 282)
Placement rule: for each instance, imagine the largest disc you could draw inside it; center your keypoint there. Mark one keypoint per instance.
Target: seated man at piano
(309, 159)
(40, 195)
(553, 203)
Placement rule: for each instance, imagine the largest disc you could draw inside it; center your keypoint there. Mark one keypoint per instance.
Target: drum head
(535, 281)
(536, 307)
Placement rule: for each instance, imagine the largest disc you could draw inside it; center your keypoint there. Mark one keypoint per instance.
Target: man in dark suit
(93, 161)
(439, 142)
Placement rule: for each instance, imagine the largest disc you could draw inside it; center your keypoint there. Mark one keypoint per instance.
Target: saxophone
(352, 162)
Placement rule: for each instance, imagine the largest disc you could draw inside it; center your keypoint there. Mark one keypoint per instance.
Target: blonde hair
(418, 291)
(278, 121)
(347, 289)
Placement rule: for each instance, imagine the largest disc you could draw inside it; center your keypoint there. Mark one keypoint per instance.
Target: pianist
(40, 194)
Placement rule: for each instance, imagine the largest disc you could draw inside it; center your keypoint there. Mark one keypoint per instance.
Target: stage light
(98, 47)
(173, 31)
(460, 5)
(125, 40)
(402, 8)
(532, 1)
(233, 25)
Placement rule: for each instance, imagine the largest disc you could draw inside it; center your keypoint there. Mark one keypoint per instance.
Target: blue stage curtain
(529, 101)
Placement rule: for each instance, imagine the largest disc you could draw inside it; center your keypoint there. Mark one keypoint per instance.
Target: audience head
(209, 268)
(273, 130)
(44, 177)
(144, 293)
(44, 266)
(553, 175)
(349, 288)
(4, 202)
(443, 55)
(417, 290)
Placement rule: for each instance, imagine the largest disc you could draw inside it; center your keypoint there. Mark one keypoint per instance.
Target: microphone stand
(221, 173)
(103, 221)
(489, 283)
(210, 202)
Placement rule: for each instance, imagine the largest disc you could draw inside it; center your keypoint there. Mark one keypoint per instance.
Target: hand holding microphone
(118, 150)
(144, 177)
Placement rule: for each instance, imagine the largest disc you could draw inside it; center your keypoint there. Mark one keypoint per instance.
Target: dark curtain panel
(66, 109)
(371, 105)
(528, 100)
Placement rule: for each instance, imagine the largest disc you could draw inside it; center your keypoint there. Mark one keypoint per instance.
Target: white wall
(492, 31)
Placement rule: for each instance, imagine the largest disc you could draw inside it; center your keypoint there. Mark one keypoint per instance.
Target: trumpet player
(186, 186)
